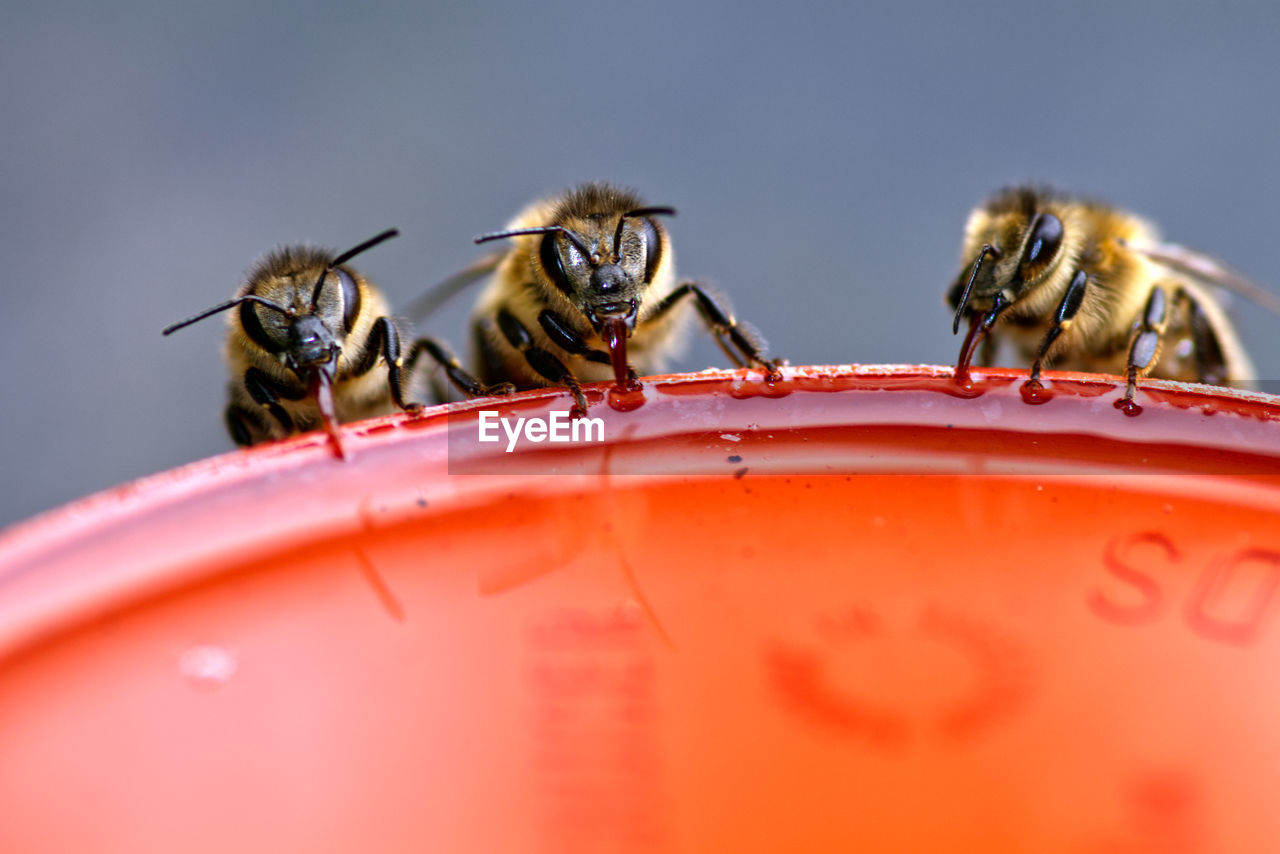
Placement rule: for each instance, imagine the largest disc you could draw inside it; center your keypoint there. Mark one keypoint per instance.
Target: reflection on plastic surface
(208, 664)
(809, 655)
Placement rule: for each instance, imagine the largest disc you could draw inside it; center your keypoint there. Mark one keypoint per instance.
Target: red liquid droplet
(626, 401)
(1034, 394)
(964, 387)
(1128, 407)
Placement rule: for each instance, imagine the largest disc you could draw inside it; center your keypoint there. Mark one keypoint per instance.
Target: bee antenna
(988, 249)
(287, 312)
(573, 236)
(617, 235)
(344, 258)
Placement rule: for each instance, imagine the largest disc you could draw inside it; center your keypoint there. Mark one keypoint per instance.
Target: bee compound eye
(256, 331)
(652, 248)
(553, 263)
(350, 299)
(1042, 245)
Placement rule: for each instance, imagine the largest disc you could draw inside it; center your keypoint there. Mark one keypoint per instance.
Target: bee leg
(1144, 347)
(384, 341)
(740, 343)
(564, 337)
(463, 381)
(1211, 364)
(1067, 310)
(543, 362)
(267, 393)
(555, 370)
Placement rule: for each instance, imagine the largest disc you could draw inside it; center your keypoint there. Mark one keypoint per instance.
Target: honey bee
(587, 292)
(311, 345)
(1091, 288)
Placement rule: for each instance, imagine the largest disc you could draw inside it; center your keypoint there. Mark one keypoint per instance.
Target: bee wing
(439, 294)
(1210, 271)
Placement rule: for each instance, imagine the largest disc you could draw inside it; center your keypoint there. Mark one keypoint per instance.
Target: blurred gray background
(823, 157)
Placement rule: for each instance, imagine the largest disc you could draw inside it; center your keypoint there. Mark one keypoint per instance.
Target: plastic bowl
(861, 609)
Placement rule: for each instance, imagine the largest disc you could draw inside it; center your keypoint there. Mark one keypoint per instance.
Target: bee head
(602, 263)
(1014, 251)
(297, 317)
(304, 323)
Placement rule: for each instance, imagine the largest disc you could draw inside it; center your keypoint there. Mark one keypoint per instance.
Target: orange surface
(859, 610)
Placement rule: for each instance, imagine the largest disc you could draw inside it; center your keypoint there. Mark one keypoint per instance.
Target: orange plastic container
(860, 610)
